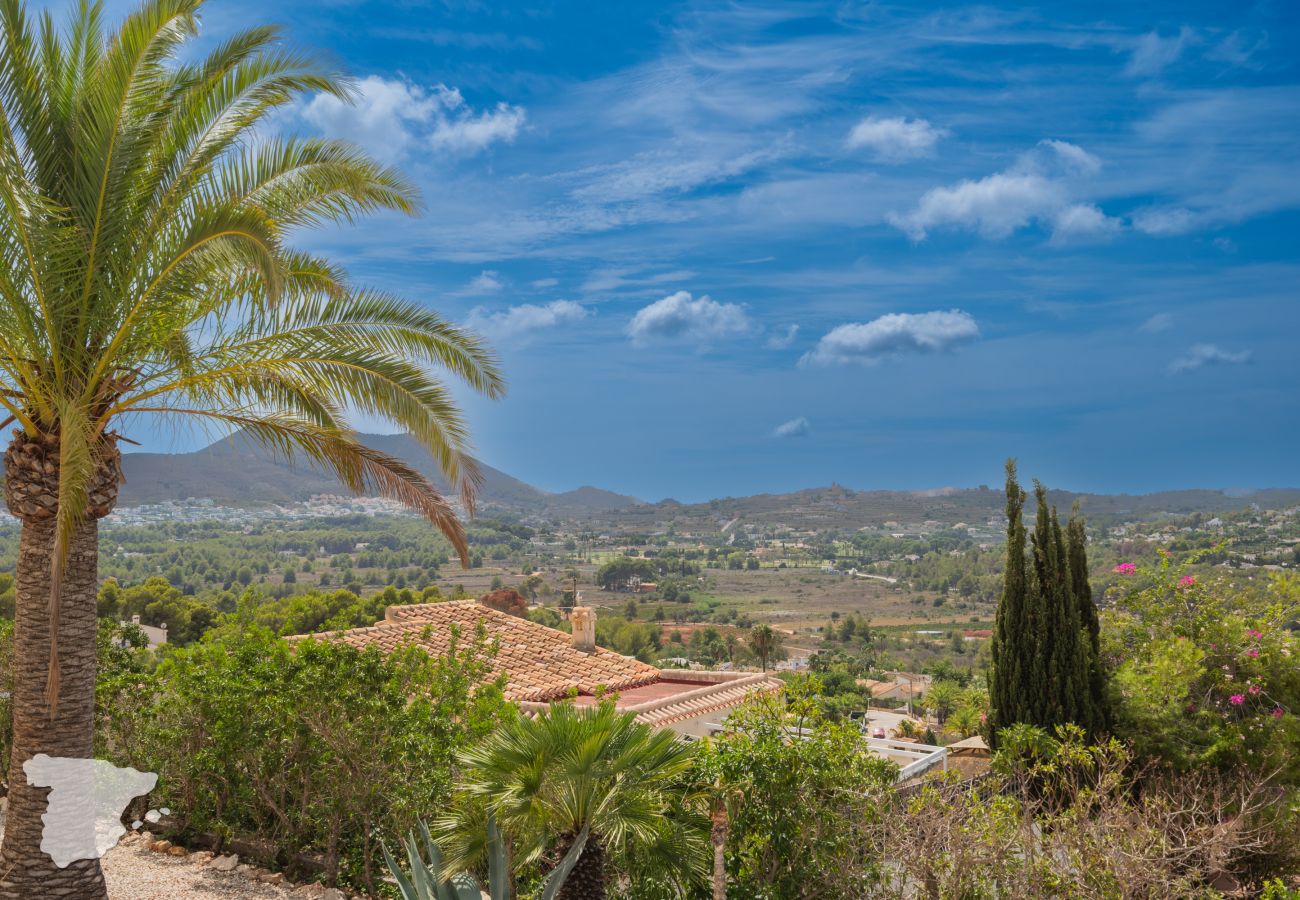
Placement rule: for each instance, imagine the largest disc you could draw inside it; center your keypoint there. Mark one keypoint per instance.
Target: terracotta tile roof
(539, 663)
(669, 700)
(709, 700)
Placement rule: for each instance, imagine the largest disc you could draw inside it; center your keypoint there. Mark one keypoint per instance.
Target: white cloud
(485, 282)
(783, 340)
(895, 139)
(393, 118)
(1153, 53)
(798, 427)
(680, 317)
(608, 280)
(1166, 221)
(544, 282)
(525, 320)
(1158, 323)
(994, 206)
(1208, 355)
(1073, 158)
(677, 170)
(383, 119)
(1038, 188)
(891, 335)
(1083, 222)
(470, 133)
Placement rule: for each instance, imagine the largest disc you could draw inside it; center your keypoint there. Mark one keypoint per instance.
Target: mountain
(237, 471)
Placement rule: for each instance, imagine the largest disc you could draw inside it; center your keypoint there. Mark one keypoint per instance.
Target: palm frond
(146, 266)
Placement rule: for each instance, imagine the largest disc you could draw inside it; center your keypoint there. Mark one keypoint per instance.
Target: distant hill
(837, 507)
(237, 471)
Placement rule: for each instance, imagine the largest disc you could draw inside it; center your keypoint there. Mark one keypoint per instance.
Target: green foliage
(1205, 675)
(767, 644)
(1046, 669)
(639, 639)
(799, 810)
(1274, 889)
(313, 747)
(7, 595)
(617, 573)
(427, 881)
(579, 775)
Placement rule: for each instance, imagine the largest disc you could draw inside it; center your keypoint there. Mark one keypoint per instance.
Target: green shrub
(313, 748)
(1204, 674)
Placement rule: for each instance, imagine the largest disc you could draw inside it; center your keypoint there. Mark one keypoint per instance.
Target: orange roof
(539, 663)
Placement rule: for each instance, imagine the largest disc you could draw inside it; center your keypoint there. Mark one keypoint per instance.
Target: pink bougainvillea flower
(1277, 712)
(1252, 653)
(1254, 689)
(1237, 699)
(1253, 633)
(1187, 580)
(1126, 568)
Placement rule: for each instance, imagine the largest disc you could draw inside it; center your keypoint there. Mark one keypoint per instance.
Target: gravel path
(136, 873)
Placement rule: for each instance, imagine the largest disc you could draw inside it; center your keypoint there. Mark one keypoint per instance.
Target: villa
(543, 665)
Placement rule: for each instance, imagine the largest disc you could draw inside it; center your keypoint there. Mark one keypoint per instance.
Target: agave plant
(428, 881)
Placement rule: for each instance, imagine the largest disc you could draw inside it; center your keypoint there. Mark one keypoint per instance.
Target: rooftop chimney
(583, 620)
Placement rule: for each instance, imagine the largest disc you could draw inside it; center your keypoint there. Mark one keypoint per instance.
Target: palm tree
(906, 728)
(145, 272)
(765, 642)
(589, 776)
(965, 720)
(732, 643)
(941, 698)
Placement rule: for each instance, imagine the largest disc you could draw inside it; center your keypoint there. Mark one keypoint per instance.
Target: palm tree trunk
(587, 880)
(26, 871)
(718, 836)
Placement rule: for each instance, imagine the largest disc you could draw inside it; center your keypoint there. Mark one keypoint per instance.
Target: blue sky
(732, 248)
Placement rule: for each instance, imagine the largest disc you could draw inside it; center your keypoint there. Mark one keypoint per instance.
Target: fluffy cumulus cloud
(1201, 355)
(1040, 188)
(681, 317)
(797, 427)
(866, 343)
(485, 282)
(895, 139)
(526, 320)
(394, 118)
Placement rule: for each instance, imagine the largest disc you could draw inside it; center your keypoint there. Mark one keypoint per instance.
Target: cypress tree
(1046, 668)
(1094, 677)
(1009, 677)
